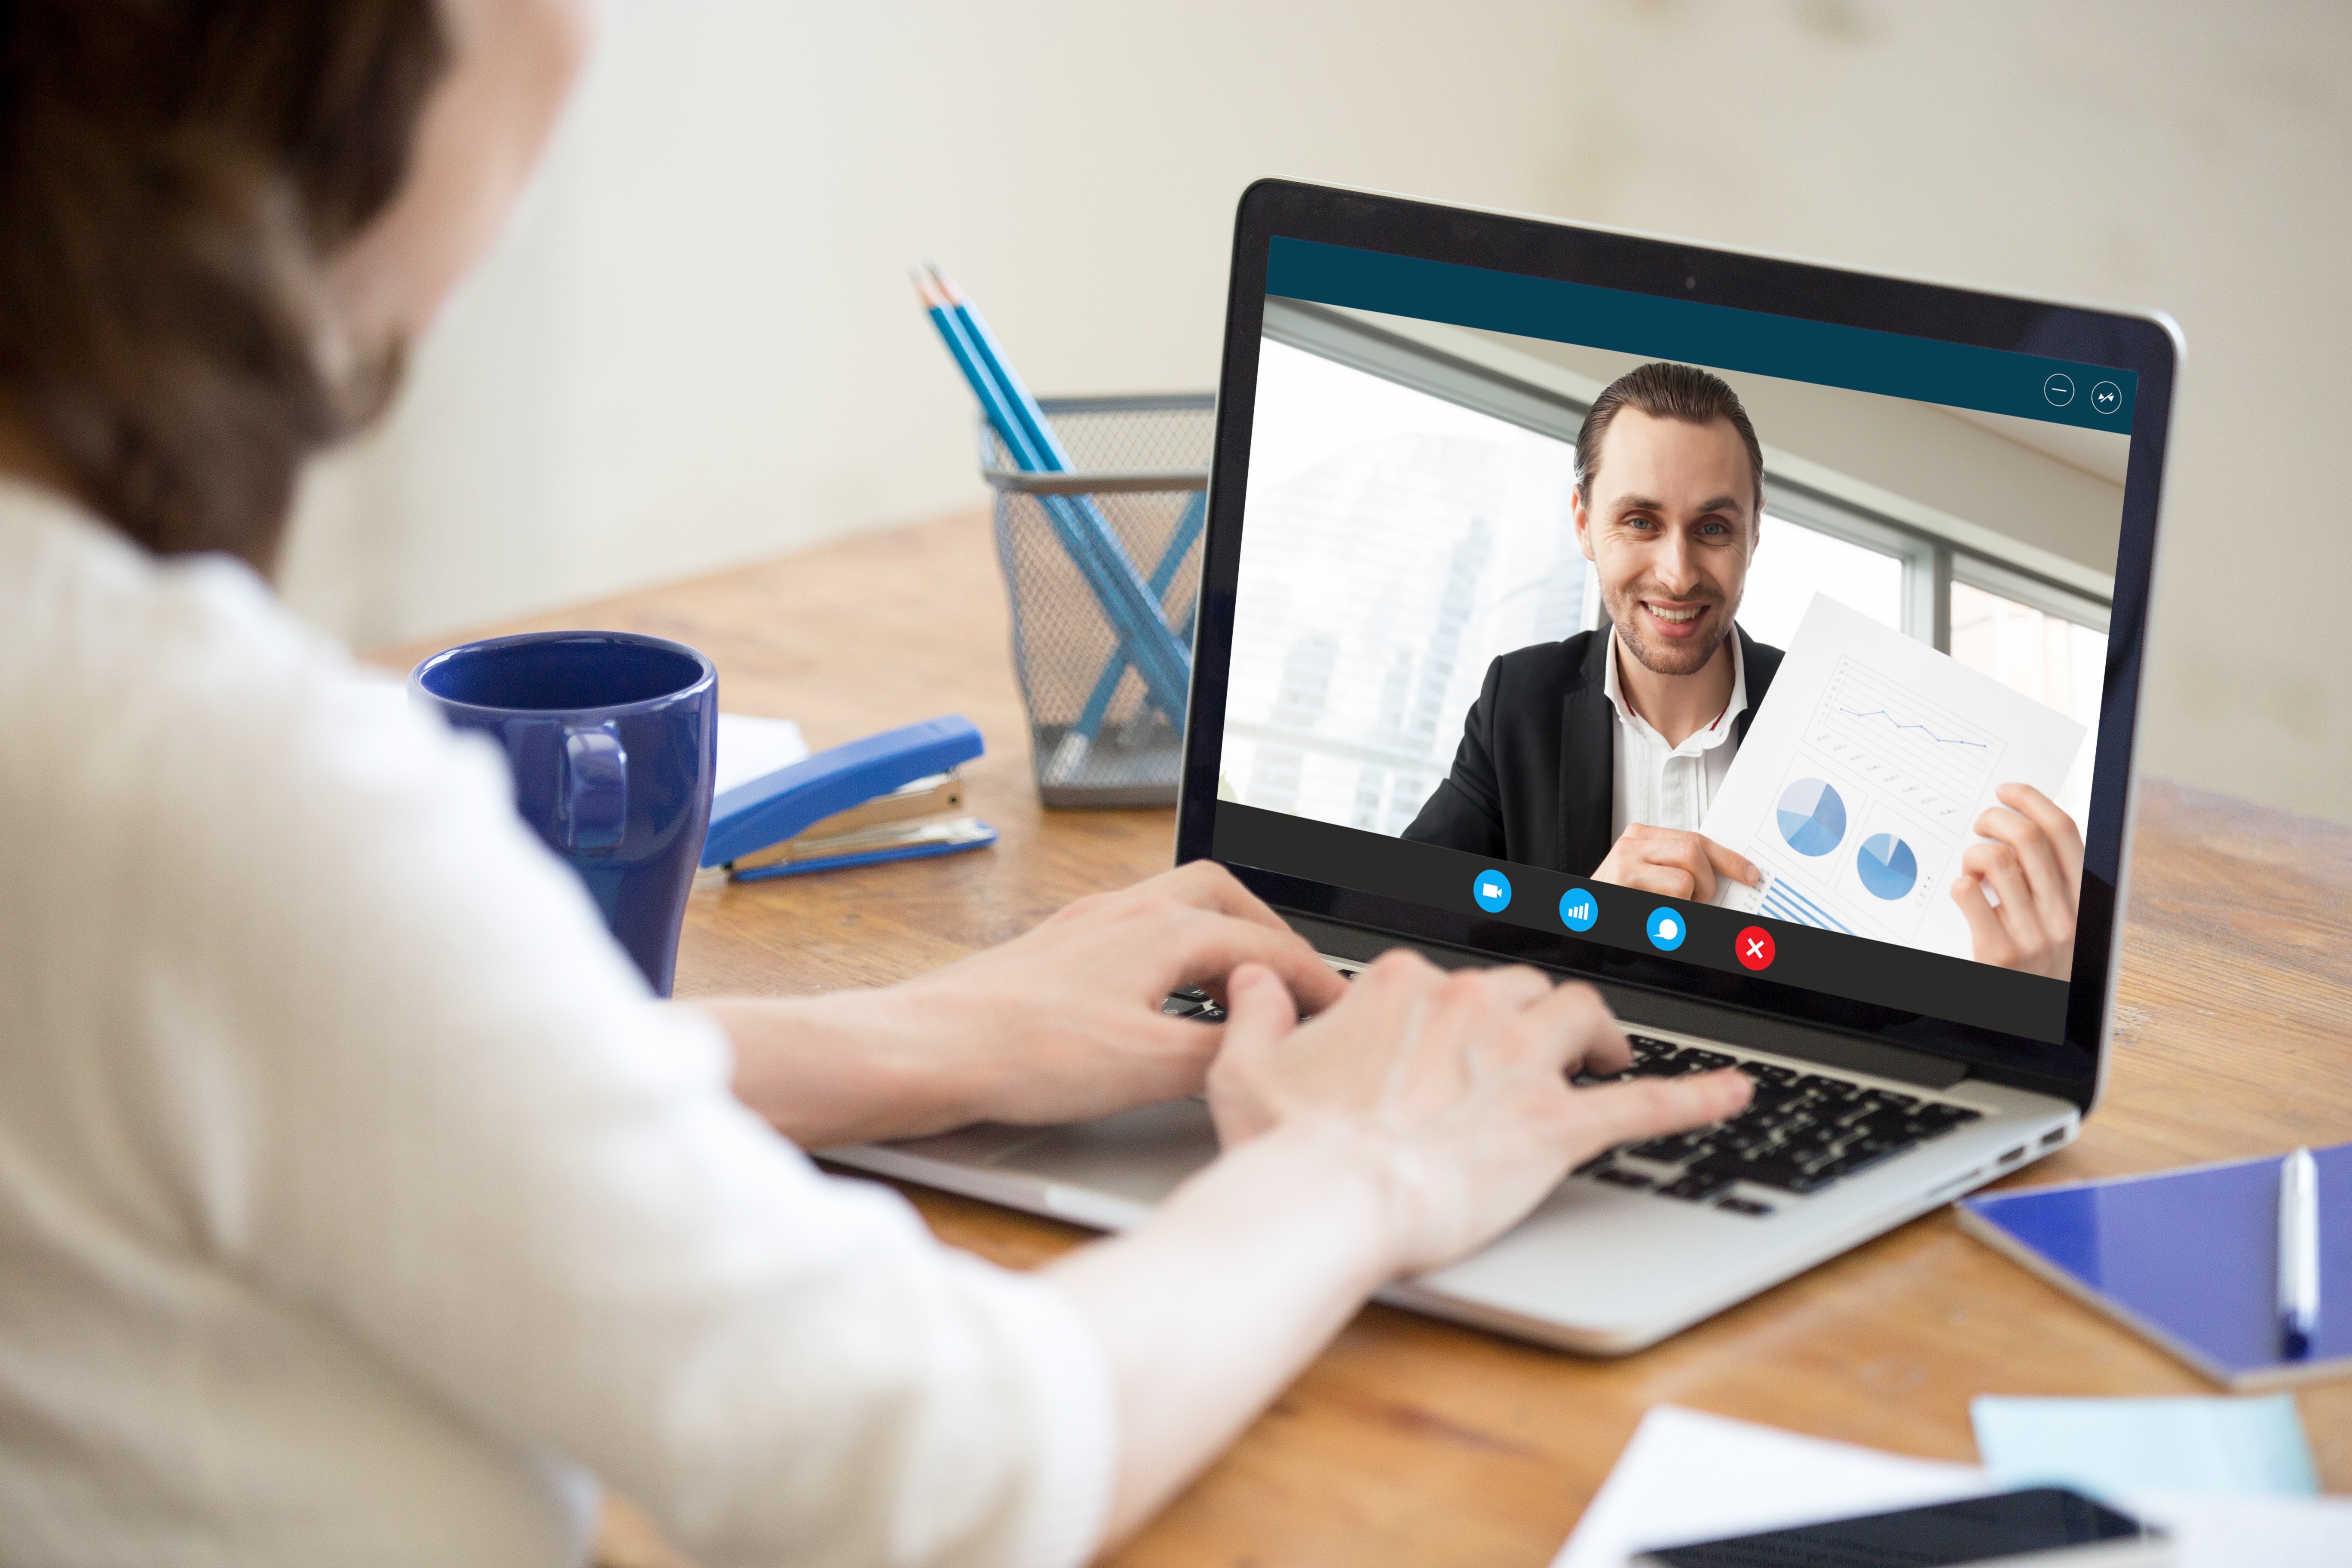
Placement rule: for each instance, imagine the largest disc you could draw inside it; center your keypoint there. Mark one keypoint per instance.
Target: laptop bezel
(2146, 344)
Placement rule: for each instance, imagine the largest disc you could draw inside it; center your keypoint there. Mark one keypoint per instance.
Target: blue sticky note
(2113, 1447)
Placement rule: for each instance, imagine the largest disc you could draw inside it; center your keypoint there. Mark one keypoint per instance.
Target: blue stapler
(891, 796)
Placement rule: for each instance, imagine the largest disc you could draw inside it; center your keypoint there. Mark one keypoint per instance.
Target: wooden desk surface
(1416, 1442)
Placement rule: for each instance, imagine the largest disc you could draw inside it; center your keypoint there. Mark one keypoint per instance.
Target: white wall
(698, 346)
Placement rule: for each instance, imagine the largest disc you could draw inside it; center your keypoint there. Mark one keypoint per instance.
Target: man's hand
(1677, 863)
(1449, 1089)
(1060, 1023)
(2032, 862)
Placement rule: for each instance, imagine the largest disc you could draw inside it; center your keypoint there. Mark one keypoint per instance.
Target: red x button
(1753, 947)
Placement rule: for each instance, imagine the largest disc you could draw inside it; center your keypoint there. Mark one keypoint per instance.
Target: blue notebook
(2189, 1258)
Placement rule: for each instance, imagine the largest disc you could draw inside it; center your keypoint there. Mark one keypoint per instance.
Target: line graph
(1910, 751)
(1939, 740)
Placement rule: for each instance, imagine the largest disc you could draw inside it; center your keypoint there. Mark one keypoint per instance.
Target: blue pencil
(1132, 605)
(984, 385)
(1083, 537)
(1054, 457)
(1071, 754)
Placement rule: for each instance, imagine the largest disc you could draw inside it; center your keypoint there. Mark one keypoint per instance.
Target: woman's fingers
(1259, 1014)
(1206, 885)
(1567, 1024)
(1577, 1029)
(1645, 1108)
(1191, 926)
(1208, 948)
(1516, 986)
(1454, 1087)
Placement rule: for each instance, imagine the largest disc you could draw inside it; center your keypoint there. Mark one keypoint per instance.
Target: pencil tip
(948, 289)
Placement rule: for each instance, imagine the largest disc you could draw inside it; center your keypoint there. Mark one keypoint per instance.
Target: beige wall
(698, 346)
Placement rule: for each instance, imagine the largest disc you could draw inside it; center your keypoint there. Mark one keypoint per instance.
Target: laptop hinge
(1661, 1010)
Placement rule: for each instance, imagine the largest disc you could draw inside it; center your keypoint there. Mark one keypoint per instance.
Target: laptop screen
(1747, 645)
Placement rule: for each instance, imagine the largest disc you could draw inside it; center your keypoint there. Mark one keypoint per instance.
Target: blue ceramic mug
(611, 738)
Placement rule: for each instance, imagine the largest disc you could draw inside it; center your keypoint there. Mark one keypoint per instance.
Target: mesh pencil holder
(1099, 734)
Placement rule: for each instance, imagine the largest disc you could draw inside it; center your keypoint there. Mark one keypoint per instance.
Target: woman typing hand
(1060, 1023)
(1402, 1129)
(1417, 1115)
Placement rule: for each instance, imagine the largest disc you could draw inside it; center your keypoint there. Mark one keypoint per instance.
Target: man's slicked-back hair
(1663, 390)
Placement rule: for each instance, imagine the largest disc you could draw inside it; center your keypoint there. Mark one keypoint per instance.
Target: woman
(357, 1203)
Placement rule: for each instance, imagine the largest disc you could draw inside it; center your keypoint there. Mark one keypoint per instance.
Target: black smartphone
(2015, 1529)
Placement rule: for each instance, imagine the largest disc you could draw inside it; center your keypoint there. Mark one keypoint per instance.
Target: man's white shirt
(1670, 786)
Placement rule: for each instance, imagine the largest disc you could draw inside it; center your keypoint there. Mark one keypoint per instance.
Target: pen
(2298, 1255)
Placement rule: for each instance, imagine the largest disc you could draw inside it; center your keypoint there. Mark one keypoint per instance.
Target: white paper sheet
(751, 748)
(1690, 1477)
(1862, 776)
(1687, 1476)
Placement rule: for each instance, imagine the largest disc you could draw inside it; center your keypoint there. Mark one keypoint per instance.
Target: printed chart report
(1858, 783)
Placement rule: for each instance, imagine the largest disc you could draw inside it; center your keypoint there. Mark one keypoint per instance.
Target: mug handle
(591, 798)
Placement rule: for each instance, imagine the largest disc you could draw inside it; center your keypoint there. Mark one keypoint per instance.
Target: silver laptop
(1401, 717)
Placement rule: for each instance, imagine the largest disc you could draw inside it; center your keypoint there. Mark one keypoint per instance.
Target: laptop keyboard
(1192, 1003)
(1801, 1132)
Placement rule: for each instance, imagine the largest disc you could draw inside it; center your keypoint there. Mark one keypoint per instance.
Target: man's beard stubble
(1662, 659)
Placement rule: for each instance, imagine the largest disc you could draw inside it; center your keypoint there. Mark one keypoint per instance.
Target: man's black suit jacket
(1535, 778)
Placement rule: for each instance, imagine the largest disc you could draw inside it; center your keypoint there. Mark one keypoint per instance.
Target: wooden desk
(1414, 1442)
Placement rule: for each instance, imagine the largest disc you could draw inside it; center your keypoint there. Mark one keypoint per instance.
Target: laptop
(1948, 591)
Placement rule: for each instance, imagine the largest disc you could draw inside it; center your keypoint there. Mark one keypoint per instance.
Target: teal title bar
(1892, 364)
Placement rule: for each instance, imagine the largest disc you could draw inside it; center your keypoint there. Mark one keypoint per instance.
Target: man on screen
(1599, 755)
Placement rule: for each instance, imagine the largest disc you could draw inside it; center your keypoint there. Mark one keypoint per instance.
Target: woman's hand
(2033, 862)
(1060, 1023)
(1452, 1087)
(1064, 1019)
(1411, 1124)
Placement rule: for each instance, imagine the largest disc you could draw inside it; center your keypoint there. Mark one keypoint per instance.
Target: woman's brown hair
(173, 176)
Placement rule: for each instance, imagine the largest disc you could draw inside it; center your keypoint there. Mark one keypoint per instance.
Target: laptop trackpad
(1139, 1155)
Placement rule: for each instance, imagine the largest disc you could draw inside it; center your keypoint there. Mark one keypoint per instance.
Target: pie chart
(1812, 816)
(1887, 866)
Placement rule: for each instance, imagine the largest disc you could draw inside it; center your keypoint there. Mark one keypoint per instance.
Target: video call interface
(1461, 668)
